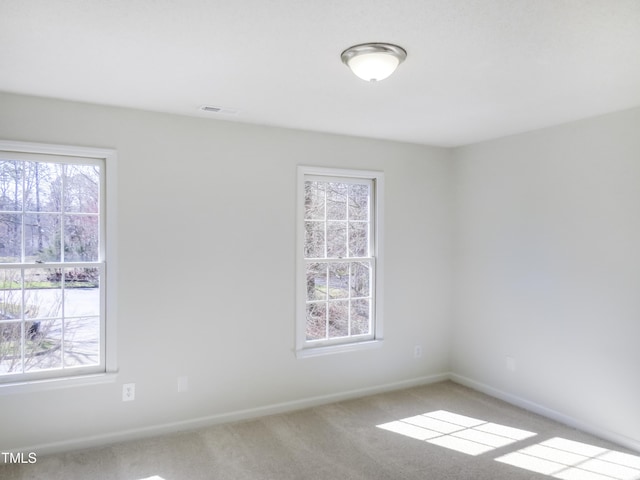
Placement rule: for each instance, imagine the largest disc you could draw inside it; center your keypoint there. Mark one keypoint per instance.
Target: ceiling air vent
(219, 110)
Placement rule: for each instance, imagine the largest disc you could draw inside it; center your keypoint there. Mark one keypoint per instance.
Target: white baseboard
(547, 412)
(201, 422)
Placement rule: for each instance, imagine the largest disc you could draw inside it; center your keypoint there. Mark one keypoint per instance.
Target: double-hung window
(339, 266)
(52, 261)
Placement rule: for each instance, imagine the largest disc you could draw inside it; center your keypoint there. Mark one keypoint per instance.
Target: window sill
(333, 349)
(55, 383)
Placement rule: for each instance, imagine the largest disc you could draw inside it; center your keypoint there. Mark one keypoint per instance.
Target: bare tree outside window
(50, 275)
(338, 256)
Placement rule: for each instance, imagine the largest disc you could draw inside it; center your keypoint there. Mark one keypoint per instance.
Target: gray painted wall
(547, 269)
(523, 247)
(233, 339)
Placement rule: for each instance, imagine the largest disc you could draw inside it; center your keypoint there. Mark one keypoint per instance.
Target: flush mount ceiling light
(373, 61)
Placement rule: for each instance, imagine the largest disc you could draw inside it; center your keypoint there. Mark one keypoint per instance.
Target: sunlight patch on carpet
(570, 460)
(468, 435)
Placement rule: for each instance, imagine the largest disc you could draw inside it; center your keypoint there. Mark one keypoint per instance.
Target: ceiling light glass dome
(373, 62)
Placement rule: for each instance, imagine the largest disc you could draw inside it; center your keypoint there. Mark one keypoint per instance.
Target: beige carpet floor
(442, 431)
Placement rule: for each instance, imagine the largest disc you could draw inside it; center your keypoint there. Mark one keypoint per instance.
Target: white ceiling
(476, 69)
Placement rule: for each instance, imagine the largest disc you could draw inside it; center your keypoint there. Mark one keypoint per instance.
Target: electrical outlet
(417, 351)
(128, 392)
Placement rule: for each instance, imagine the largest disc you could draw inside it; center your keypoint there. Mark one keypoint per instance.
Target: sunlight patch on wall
(457, 432)
(155, 477)
(570, 460)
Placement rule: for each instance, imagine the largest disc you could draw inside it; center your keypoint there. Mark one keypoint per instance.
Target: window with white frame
(52, 261)
(339, 247)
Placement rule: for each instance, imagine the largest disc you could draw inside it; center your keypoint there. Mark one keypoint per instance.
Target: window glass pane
(338, 319)
(82, 341)
(82, 188)
(10, 238)
(81, 237)
(81, 292)
(360, 316)
(10, 332)
(359, 202)
(338, 280)
(50, 318)
(11, 172)
(43, 187)
(316, 321)
(42, 237)
(314, 240)
(338, 258)
(10, 294)
(314, 200)
(11, 347)
(336, 201)
(360, 279)
(316, 281)
(358, 239)
(336, 239)
(42, 293)
(43, 345)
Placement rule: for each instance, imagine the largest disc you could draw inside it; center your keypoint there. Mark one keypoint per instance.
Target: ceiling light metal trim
(371, 49)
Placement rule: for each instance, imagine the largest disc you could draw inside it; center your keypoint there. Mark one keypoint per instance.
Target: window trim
(108, 252)
(304, 348)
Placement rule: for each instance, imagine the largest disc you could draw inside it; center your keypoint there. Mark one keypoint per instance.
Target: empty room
(315, 240)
